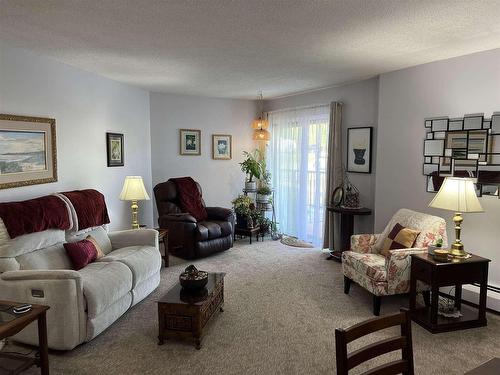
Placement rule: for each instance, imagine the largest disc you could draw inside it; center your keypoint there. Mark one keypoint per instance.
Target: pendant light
(261, 124)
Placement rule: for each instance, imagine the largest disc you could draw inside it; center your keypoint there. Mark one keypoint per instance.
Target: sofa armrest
(182, 217)
(220, 213)
(364, 243)
(62, 291)
(40, 275)
(134, 237)
(398, 266)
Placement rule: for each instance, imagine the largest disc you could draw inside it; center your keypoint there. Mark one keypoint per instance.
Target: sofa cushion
(369, 265)
(208, 230)
(49, 258)
(12, 247)
(143, 261)
(81, 253)
(104, 283)
(98, 233)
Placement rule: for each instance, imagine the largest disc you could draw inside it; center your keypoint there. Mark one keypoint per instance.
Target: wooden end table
(441, 274)
(346, 227)
(163, 239)
(250, 232)
(183, 314)
(18, 362)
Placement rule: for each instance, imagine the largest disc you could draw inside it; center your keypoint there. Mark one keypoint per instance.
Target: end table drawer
(420, 270)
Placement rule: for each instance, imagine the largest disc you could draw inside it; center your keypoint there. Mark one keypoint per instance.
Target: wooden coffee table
(183, 315)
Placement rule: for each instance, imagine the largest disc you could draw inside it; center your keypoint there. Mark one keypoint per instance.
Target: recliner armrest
(183, 217)
(219, 213)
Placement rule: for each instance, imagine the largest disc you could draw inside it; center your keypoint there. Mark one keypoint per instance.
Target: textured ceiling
(238, 48)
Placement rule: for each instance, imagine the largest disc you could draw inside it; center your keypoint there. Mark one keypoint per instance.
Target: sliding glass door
(297, 158)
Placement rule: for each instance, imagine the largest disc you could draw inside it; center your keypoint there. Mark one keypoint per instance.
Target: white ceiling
(238, 48)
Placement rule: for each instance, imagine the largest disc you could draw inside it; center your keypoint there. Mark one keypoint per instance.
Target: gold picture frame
(190, 142)
(28, 151)
(222, 146)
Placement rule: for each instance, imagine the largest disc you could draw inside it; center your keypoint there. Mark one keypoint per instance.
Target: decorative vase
(250, 185)
(193, 279)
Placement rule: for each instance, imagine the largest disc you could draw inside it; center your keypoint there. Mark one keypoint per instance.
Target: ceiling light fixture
(261, 124)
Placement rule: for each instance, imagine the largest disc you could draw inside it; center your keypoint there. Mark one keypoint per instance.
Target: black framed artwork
(114, 148)
(359, 149)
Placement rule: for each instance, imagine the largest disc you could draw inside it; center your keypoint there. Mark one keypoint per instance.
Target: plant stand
(265, 207)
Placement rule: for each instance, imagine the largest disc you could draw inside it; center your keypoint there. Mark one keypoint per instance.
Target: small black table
(346, 227)
(473, 270)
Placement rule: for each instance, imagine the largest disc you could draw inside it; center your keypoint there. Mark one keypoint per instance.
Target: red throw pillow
(81, 253)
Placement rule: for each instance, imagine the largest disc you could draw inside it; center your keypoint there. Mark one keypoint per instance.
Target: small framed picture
(222, 145)
(114, 147)
(359, 150)
(190, 142)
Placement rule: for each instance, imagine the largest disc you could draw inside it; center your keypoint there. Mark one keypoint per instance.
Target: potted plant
(265, 225)
(252, 168)
(242, 209)
(264, 194)
(437, 245)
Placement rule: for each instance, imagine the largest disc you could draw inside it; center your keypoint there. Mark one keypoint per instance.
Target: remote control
(22, 309)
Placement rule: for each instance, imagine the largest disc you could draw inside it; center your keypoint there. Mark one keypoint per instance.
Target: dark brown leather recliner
(187, 237)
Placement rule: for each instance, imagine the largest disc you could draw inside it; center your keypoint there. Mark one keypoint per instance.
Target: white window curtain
(297, 158)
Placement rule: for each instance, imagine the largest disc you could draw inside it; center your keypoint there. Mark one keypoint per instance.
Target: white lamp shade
(133, 189)
(458, 195)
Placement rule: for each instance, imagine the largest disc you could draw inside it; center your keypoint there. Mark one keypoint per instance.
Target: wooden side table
(163, 239)
(248, 232)
(346, 227)
(453, 273)
(18, 362)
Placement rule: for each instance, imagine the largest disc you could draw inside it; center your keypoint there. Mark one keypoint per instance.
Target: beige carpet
(282, 306)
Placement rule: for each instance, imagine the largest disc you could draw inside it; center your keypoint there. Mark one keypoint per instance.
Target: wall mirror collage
(463, 147)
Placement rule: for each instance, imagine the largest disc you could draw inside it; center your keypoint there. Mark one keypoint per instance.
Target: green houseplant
(252, 168)
(243, 208)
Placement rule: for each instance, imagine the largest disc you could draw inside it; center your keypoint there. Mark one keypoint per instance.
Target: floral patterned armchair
(389, 275)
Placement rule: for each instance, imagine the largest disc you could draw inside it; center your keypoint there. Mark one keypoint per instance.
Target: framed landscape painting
(190, 142)
(221, 146)
(27, 151)
(114, 147)
(359, 150)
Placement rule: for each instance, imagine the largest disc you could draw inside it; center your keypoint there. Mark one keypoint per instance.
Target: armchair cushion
(370, 265)
(399, 238)
(364, 243)
(208, 230)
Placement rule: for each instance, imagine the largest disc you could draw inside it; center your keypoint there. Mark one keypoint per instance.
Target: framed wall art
(359, 150)
(190, 141)
(222, 146)
(28, 154)
(114, 147)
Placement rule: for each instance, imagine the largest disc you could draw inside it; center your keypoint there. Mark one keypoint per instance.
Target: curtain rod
(298, 108)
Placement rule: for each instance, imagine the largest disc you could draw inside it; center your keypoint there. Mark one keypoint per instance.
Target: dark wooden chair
(403, 342)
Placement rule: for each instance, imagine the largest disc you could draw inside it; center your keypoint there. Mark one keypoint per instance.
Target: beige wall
(454, 87)
(85, 107)
(221, 180)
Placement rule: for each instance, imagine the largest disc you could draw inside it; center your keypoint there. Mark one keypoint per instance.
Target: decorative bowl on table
(441, 255)
(192, 279)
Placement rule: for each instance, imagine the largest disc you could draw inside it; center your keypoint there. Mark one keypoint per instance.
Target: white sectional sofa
(35, 268)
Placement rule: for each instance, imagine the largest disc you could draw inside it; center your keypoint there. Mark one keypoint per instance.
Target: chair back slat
(374, 350)
(391, 368)
(373, 325)
(346, 362)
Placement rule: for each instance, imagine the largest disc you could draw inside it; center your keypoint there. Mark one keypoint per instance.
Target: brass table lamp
(458, 195)
(134, 190)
